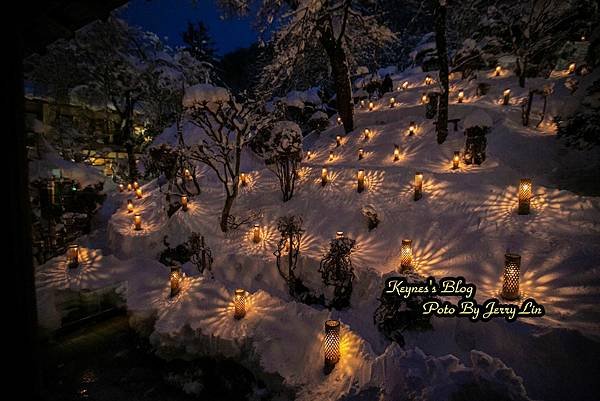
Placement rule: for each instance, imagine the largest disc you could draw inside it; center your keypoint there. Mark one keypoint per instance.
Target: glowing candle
(323, 176)
(396, 153)
(498, 70)
(406, 255)
(525, 191)
(424, 98)
(362, 104)
(256, 237)
(510, 284)
(136, 185)
(175, 278)
(72, 256)
(360, 178)
(405, 85)
(121, 188)
(455, 159)
(367, 133)
(361, 153)
(129, 187)
(339, 234)
(392, 102)
(138, 193)
(571, 68)
(187, 174)
(428, 80)
(243, 179)
(331, 155)
(308, 154)
(461, 96)
(137, 221)
(338, 141)
(418, 186)
(129, 206)
(239, 304)
(506, 97)
(371, 106)
(411, 128)
(339, 120)
(331, 344)
(184, 203)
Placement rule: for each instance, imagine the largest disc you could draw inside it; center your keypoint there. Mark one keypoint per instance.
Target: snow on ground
(464, 224)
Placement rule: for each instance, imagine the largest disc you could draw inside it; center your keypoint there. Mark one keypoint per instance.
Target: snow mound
(478, 118)
(204, 93)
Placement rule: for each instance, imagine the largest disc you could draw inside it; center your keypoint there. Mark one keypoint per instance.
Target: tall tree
(199, 42)
(442, 51)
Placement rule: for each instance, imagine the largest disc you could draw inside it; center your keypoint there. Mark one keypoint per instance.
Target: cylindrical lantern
(498, 70)
(339, 234)
(256, 234)
(137, 221)
(428, 80)
(308, 154)
(418, 186)
(331, 344)
(371, 106)
(129, 187)
(339, 120)
(506, 97)
(360, 177)
(73, 256)
(138, 193)
(187, 174)
(175, 277)
(361, 153)
(121, 188)
(136, 185)
(323, 176)
(184, 203)
(405, 85)
(406, 255)
(525, 191)
(411, 128)
(510, 284)
(461, 96)
(243, 179)
(367, 133)
(129, 206)
(392, 102)
(338, 141)
(424, 98)
(362, 104)
(396, 153)
(331, 155)
(571, 68)
(239, 304)
(455, 159)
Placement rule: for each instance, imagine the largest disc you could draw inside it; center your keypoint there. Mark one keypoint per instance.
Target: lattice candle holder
(455, 159)
(392, 103)
(406, 256)
(396, 153)
(324, 176)
(338, 140)
(187, 175)
(411, 128)
(360, 178)
(129, 206)
(72, 255)
(367, 133)
(175, 278)
(138, 193)
(571, 68)
(184, 203)
(129, 187)
(331, 155)
(339, 234)
(525, 191)
(339, 121)
(137, 221)
(418, 186)
(243, 179)
(239, 304)
(506, 98)
(361, 153)
(121, 188)
(308, 154)
(428, 80)
(424, 98)
(331, 344)
(498, 70)
(371, 106)
(510, 282)
(136, 185)
(405, 85)
(256, 234)
(461, 96)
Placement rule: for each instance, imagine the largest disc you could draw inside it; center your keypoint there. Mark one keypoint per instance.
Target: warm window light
(455, 159)
(506, 97)
(405, 85)
(571, 68)
(256, 237)
(175, 277)
(338, 141)
(525, 191)
(129, 187)
(137, 221)
(339, 234)
(461, 96)
(510, 283)
(360, 178)
(371, 106)
(424, 98)
(121, 188)
(239, 304)
(136, 185)
(331, 344)
(367, 133)
(184, 203)
(129, 206)
(243, 179)
(331, 155)
(361, 154)
(323, 176)
(396, 153)
(73, 256)
(428, 80)
(392, 102)
(406, 255)
(498, 70)
(418, 186)
(138, 193)
(411, 128)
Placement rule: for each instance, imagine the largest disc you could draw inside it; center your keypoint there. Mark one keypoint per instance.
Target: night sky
(168, 18)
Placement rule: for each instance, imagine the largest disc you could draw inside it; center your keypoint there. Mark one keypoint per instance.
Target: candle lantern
(243, 179)
(73, 256)
(498, 70)
(510, 284)
(137, 221)
(360, 177)
(418, 186)
(338, 141)
(362, 104)
(571, 68)
(138, 193)
(331, 155)
(361, 154)
(175, 277)
(332, 344)
(506, 97)
(406, 255)
(308, 154)
(187, 175)
(239, 304)
(121, 188)
(428, 80)
(461, 96)
(396, 153)
(367, 133)
(339, 234)
(424, 99)
(129, 206)
(392, 102)
(323, 176)
(411, 128)
(136, 185)
(455, 159)
(339, 120)
(256, 237)
(405, 85)
(371, 105)
(525, 191)
(184, 203)
(129, 187)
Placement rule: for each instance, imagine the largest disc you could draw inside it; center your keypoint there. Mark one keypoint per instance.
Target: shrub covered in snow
(337, 271)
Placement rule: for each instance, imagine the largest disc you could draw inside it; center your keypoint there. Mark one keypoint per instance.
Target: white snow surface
(464, 224)
(201, 93)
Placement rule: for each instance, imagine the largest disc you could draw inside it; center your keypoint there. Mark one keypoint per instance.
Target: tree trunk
(521, 68)
(341, 78)
(226, 211)
(442, 52)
